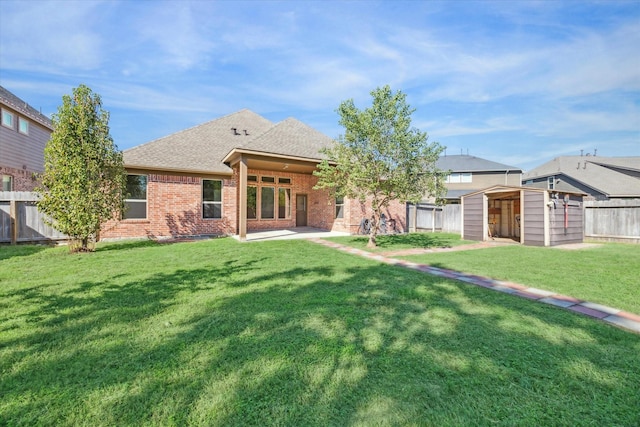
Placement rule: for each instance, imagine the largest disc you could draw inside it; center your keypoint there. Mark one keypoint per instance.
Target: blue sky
(511, 81)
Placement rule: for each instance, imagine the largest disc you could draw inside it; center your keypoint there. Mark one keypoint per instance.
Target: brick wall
(174, 208)
(23, 180)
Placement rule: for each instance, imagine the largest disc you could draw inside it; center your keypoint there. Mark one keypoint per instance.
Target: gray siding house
(470, 173)
(24, 132)
(601, 178)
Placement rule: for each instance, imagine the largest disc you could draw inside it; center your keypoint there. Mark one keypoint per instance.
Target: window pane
(339, 211)
(211, 190)
(465, 177)
(137, 187)
(212, 210)
(7, 118)
(284, 198)
(6, 183)
(267, 203)
(284, 180)
(252, 178)
(23, 126)
(251, 202)
(268, 179)
(135, 210)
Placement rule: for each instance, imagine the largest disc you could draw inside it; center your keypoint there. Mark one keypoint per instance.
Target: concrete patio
(291, 233)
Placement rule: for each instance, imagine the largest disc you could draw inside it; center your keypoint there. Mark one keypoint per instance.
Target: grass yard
(290, 333)
(390, 242)
(607, 274)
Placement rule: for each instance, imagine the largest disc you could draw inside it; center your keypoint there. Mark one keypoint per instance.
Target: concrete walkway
(609, 315)
(291, 233)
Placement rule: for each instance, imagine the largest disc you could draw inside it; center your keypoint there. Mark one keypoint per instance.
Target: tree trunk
(373, 231)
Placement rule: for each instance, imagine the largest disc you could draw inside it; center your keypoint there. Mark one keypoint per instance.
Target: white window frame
(213, 202)
(551, 183)
(9, 179)
(22, 121)
(7, 114)
(145, 200)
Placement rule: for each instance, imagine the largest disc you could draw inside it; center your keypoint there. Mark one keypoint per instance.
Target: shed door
(301, 210)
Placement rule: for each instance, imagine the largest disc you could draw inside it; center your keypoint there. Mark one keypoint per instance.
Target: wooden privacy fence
(430, 217)
(612, 220)
(20, 220)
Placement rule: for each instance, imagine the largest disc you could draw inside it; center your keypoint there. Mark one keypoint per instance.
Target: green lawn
(392, 242)
(290, 333)
(607, 274)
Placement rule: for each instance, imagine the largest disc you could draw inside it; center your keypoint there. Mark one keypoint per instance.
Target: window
(211, 198)
(269, 179)
(456, 178)
(284, 203)
(252, 178)
(551, 183)
(339, 207)
(284, 180)
(136, 201)
(252, 202)
(7, 182)
(7, 119)
(23, 126)
(267, 202)
(528, 182)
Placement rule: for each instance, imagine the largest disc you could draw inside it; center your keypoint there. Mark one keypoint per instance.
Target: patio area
(291, 233)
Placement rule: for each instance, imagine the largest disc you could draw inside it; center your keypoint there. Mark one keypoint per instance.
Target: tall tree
(84, 179)
(380, 157)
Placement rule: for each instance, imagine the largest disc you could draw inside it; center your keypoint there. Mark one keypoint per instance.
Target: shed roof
(508, 188)
(604, 174)
(203, 148)
(466, 163)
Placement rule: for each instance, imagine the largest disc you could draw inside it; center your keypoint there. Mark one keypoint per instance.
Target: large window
(284, 203)
(23, 126)
(136, 201)
(211, 198)
(252, 202)
(7, 119)
(268, 197)
(267, 203)
(339, 207)
(7, 183)
(456, 178)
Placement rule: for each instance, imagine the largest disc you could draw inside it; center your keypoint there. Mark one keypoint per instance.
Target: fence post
(13, 221)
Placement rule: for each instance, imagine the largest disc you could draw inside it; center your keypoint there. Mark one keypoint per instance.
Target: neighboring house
(232, 175)
(24, 132)
(602, 178)
(470, 173)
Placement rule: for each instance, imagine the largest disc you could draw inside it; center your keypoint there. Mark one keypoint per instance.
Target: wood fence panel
(30, 223)
(615, 220)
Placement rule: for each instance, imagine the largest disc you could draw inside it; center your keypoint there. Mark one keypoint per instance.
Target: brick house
(24, 132)
(233, 175)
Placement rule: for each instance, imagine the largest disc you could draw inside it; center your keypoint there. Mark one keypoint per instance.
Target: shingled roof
(201, 149)
(11, 100)
(613, 176)
(466, 163)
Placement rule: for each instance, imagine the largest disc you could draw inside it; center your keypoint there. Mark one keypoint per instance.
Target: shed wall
(472, 227)
(575, 230)
(533, 218)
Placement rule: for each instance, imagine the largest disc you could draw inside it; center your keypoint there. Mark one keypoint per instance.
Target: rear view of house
(233, 175)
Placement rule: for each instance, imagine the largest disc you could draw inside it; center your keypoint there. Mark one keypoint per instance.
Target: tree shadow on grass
(313, 345)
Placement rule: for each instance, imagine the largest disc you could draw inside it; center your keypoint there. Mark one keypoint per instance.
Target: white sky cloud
(481, 74)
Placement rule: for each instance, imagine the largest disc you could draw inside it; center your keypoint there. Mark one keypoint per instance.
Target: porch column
(242, 202)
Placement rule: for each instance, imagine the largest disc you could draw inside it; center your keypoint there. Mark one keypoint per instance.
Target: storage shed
(531, 216)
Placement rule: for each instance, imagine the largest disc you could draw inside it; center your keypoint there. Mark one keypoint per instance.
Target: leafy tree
(380, 157)
(84, 180)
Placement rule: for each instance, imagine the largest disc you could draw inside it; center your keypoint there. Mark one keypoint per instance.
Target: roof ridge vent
(235, 131)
